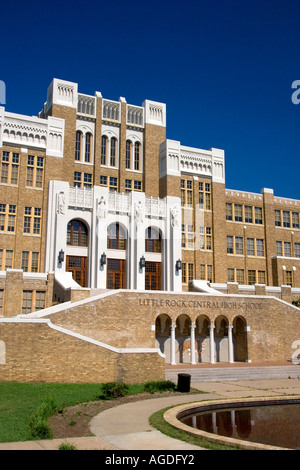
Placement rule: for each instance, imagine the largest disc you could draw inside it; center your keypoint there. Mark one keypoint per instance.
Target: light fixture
(142, 262)
(103, 259)
(178, 265)
(61, 256)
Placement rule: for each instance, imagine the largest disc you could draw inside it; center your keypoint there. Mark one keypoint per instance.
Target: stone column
(173, 344)
(212, 344)
(230, 344)
(193, 352)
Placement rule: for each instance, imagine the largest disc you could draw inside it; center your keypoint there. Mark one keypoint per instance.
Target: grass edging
(157, 421)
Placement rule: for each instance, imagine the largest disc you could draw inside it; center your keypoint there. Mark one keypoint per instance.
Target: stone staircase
(220, 374)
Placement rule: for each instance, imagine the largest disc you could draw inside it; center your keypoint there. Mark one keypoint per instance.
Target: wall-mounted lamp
(61, 256)
(103, 259)
(178, 265)
(142, 262)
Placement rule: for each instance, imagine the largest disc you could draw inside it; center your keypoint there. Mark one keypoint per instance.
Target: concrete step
(235, 373)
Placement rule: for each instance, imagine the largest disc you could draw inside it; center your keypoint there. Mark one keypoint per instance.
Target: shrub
(159, 386)
(38, 423)
(113, 390)
(39, 428)
(66, 446)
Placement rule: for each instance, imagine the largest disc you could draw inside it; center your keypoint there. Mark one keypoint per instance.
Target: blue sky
(223, 67)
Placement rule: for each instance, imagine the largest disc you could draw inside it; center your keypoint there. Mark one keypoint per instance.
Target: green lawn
(18, 402)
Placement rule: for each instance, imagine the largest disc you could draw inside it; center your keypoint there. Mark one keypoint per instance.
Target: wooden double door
(152, 276)
(77, 265)
(116, 275)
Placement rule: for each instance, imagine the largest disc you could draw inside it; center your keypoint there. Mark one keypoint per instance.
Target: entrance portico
(204, 340)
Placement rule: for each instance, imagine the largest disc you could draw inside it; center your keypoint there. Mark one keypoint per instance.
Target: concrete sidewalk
(127, 427)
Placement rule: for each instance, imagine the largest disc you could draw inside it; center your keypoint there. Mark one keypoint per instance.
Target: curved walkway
(127, 427)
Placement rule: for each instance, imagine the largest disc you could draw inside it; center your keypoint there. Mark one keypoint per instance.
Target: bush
(113, 390)
(66, 446)
(39, 428)
(38, 424)
(160, 386)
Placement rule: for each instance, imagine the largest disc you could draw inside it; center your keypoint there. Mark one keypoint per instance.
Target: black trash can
(184, 383)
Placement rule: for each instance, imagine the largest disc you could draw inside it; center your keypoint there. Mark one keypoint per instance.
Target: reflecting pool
(273, 424)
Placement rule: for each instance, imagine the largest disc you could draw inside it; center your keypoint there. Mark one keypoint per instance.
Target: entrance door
(77, 265)
(152, 276)
(115, 274)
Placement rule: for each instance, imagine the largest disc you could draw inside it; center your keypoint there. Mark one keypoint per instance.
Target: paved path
(126, 427)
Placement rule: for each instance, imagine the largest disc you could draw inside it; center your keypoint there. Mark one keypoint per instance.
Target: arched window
(137, 151)
(78, 145)
(77, 233)
(103, 149)
(116, 237)
(128, 154)
(113, 150)
(88, 146)
(152, 240)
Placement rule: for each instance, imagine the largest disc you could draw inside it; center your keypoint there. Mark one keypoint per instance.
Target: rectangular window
(103, 150)
(295, 219)
(113, 144)
(190, 236)
(83, 180)
(137, 185)
(229, 244)
(30, 261)
(103, 180)
(32, 220)
(240, 276)
(286, 219)
(25, 259)
(183, 273)
(258, 215)
(287, 249)
(187, 193)
(239, 245)
(137, 148)
(205, 238)
(278, 248)
(39, 300)
(128, 186)
(261, 277)
(35, 169)
(88, 145)
(260, 247)
(10, 168)
(230, 275)
(277, 218)
(251, 277)
(7, 218)
(228, 211)
(248, 214)
(289, 278)
(250, 247)
(6, 259)
(27, 301)
(191, 271)
(297, 250)
(238, 212)
(113, 183)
